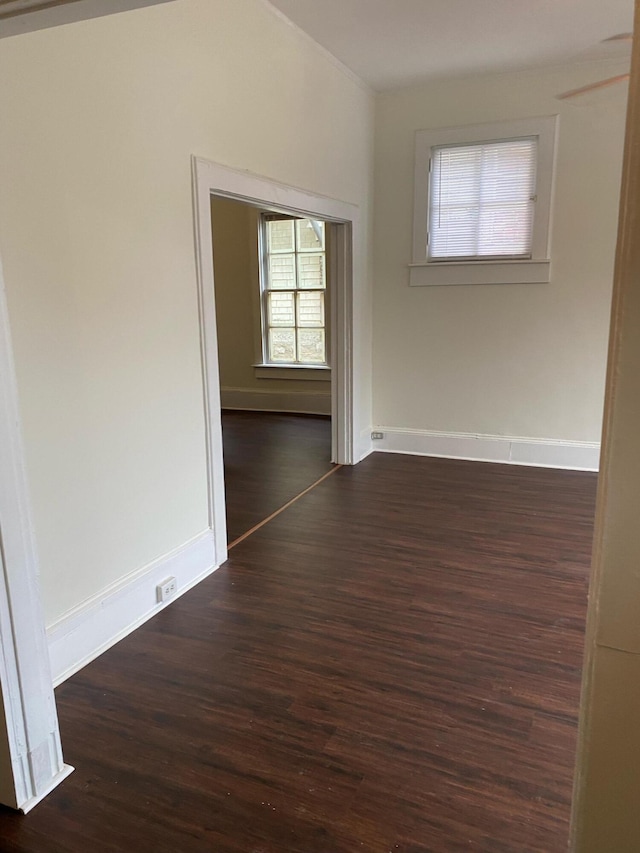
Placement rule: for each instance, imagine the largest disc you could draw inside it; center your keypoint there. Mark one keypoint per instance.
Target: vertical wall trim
(31, 734)
(619, 824)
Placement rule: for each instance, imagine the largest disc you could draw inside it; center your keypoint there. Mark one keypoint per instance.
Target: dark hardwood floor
(269, 458)
(391, 665)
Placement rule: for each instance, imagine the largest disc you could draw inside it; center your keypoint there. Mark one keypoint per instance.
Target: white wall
(99, 120)
(517, 360)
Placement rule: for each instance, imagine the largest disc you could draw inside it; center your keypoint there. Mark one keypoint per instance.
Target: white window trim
(428, 273)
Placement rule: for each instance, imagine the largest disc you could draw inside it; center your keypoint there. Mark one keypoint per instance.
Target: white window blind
(481, 200)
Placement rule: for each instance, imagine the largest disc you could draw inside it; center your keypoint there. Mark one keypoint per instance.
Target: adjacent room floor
(391, 664)
(269, 458)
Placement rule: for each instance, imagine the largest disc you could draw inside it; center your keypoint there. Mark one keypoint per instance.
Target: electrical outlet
(167, 589)
(376, 436)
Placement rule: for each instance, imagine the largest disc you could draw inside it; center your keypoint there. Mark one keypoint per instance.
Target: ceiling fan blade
(590, 87)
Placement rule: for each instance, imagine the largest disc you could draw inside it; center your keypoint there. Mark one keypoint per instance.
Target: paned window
(294, 281)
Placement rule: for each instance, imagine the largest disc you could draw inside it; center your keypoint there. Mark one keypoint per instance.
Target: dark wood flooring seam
(282, 508)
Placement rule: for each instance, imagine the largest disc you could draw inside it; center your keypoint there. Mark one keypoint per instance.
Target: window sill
(305, 372)
(479, 272)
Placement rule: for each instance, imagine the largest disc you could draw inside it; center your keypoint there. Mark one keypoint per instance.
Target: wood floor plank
(269, 458)
(391, 665)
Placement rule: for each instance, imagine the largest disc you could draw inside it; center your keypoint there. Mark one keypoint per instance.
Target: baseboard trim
(90, 629)
(295, 402)
(365, 445)
(66, 771)
(510, 450)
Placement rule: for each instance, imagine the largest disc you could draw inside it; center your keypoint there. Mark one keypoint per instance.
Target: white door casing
(214, 179)
(31, 741)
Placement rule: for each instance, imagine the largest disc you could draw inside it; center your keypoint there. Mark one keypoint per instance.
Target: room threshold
(275, 514)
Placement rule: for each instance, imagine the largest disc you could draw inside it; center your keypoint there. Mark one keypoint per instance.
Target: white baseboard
(58, 779)
(365, 445)
(296, 402)
(85, 632)
(511, 450)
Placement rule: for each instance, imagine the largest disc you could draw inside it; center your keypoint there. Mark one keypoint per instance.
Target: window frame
(425, 271)
(266, 217)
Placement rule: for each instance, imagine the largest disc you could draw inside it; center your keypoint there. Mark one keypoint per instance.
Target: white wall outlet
(167, 589)
(376, 436)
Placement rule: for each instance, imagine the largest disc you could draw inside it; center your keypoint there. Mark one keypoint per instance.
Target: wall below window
(235, 253)
(522, 361)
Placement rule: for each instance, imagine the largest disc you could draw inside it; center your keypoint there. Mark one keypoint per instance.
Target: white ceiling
(392, 43)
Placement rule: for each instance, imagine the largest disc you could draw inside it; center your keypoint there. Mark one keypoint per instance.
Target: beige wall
(235, 259)
(515, 360)
(233, 269)
(99, 121)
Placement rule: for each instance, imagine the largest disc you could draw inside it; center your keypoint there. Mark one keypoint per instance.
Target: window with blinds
(482, 200)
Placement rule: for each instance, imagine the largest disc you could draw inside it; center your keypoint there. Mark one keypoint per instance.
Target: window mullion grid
(296, 292)
(296, 351)
(322, 292)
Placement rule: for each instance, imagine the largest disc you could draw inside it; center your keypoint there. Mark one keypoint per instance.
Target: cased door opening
(273, 283)
(301, 317)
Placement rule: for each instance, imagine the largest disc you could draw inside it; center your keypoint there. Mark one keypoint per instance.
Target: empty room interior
(272, 297)
(319, 382)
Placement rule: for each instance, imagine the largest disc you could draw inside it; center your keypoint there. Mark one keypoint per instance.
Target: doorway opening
(273, 279)
(342, 222)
